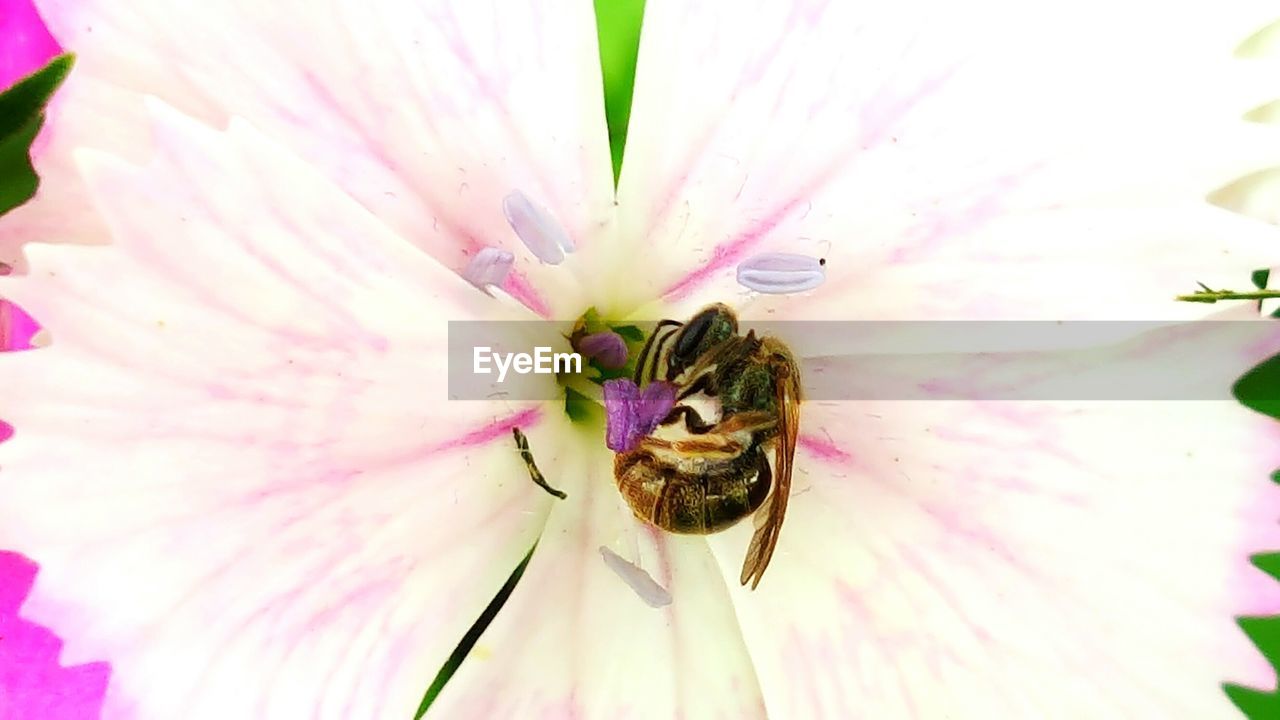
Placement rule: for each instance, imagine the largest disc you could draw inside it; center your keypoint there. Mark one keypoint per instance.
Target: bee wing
(768, 519)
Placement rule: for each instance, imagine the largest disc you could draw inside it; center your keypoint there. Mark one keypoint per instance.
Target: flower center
(609, 350)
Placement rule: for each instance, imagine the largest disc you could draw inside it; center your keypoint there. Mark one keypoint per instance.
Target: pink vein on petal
(519, 287)
(490, 432)
(747, 76)
(823, 449)
(517, 284)
(728, 253)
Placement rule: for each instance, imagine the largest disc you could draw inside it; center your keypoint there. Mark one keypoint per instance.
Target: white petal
(575, 640)
(998, 160)
(235, 460)
(428, 113)
(1016, 559)
(84, 113)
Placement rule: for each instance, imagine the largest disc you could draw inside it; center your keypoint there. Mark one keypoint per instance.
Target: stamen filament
(522, 444)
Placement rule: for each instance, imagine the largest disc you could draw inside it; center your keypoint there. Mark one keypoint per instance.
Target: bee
(713, 474)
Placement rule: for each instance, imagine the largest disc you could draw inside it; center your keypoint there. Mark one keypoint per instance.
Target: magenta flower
(27, 43)
(32, 684)
(235, 461)
(26, 48)
(16, 327)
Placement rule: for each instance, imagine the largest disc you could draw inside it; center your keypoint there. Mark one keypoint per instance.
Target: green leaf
(630, 333)
(591, 322)
(1259, 389)
(18, 179)
(28, 96)
(473, 634)
(1260, 278)
(579, 407)
(618, 28)
(604, 374)
(1255, 704)
(1265, 633)
(21, 115)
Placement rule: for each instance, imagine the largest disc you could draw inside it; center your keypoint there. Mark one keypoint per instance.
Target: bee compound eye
(692, 334)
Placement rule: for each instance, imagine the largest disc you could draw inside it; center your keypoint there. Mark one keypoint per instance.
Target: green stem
(1213, 296)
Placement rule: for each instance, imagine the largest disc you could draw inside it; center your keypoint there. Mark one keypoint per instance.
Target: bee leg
(648, 346)
(693, 422)
(522, 444)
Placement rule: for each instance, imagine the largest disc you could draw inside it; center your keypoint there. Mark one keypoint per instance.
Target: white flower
(236, 467)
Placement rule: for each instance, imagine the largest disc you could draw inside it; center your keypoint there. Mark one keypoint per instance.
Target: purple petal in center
(608, 348)
(633, 413)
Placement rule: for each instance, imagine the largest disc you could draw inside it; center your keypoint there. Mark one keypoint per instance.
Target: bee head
(704, 331)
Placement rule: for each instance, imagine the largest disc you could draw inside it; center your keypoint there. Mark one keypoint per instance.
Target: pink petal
(1017, 559)
(235, 460)
(949, 161)
(16, 327)
(32, 684)
(428, 113)
(575, 640)
(27, 46)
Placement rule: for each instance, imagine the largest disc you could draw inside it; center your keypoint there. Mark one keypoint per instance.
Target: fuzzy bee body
(694, 487)
(693, 476)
